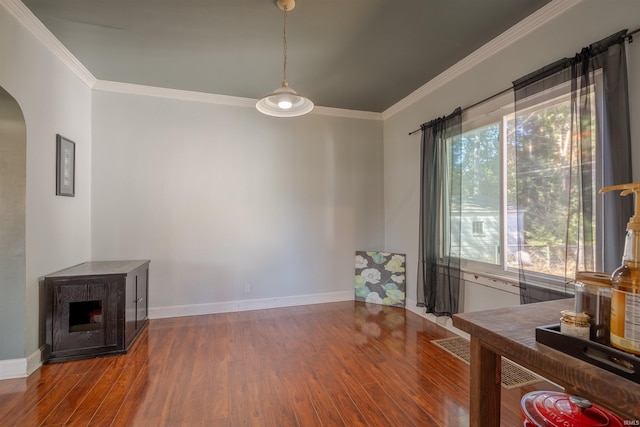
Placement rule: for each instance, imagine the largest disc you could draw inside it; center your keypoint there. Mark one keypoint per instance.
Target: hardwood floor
(336, 364)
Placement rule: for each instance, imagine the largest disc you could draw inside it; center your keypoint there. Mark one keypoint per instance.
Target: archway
(13, 171)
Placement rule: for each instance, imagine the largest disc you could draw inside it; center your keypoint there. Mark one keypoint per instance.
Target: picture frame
(65, 167)
(380, 278)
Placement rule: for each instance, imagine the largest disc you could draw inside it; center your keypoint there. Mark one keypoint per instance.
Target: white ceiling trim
(177, 94)
(37, 28)
(524, 27)
(351, 114)
(209, 98)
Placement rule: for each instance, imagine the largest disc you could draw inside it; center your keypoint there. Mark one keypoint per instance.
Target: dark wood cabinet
(94, 309)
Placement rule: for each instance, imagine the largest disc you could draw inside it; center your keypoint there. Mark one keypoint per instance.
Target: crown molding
(37, 28)
(177, 94)
(209, 98)
(513, 34)
(351, 114)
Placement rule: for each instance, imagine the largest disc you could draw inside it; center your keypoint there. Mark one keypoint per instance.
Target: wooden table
(510, 332)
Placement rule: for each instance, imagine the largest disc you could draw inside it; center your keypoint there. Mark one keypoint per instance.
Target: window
(478, 227)
(480, 158)
(487, 154)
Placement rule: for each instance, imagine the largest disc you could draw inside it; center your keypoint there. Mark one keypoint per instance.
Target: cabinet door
(130, 307)
(142, 289)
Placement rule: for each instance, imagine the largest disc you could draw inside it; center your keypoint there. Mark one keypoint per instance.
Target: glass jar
(593, 297)
(575, 324)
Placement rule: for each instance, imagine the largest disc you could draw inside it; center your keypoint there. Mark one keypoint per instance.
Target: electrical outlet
(247, 288)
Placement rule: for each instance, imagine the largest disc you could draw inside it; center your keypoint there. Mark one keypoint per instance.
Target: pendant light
(284, 101)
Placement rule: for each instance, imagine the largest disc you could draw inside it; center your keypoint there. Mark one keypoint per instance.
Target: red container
(555, 409)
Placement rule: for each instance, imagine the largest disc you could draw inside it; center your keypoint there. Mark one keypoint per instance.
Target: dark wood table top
(510, 332)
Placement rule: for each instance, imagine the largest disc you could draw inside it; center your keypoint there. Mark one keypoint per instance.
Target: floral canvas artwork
(380, 278)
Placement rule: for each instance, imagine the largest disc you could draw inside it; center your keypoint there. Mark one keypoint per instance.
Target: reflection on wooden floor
(335, 364)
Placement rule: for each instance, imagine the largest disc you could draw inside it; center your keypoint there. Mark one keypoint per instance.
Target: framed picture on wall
(65, 167)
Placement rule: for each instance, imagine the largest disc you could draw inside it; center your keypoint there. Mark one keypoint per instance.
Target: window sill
(500, 282)
(511, 282)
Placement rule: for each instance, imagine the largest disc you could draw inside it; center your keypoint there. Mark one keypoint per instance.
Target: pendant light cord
(284, 101)
(284, 49)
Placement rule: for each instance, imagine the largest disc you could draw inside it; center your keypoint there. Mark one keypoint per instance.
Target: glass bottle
(625, 282)
(625, 297)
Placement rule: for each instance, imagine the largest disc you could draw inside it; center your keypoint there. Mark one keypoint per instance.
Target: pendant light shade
(284, 101)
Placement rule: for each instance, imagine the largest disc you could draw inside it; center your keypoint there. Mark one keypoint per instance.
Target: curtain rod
(628, 36)
(473, 105)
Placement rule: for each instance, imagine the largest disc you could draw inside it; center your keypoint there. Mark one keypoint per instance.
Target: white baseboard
(445, 322)
(245, 305)
(20, 368)
(34, 361)
(13, 368)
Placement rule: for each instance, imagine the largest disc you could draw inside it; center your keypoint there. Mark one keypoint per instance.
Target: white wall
(564, 35)
(13, 183)
(486, 293)
(231, 205)
(53, 100)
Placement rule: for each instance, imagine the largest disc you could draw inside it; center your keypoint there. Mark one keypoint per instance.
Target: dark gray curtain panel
(596, 152)
(439, 240)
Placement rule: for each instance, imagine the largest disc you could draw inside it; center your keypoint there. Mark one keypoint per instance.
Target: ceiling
(352, 54)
